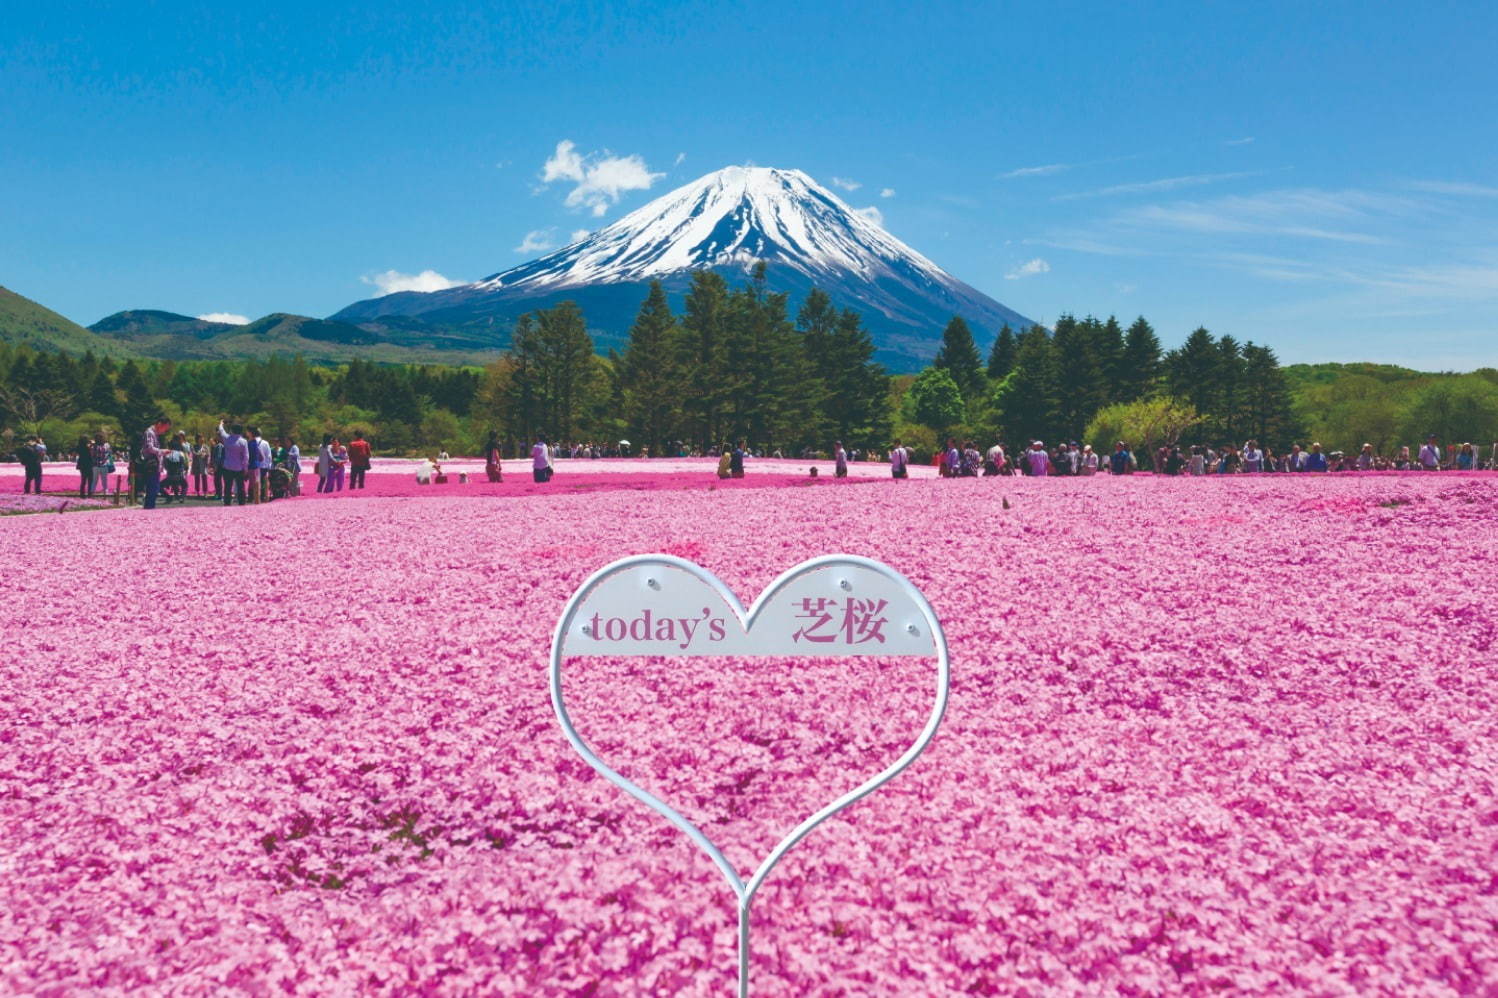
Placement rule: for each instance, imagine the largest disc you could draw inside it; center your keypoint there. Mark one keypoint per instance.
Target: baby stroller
(280, 483)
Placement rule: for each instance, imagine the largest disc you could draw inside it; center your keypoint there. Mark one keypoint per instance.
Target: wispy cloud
(680, 157)
(887, 192)
(1456, 187)
(391, 281)
(1302, 213)
(1028, 269)
(1036, 171)
(600, 179)
(578, 235)
(537, 241)
(871, 214)
(1156, 186)
(232, 318)
(1246, 140)
(845, 183)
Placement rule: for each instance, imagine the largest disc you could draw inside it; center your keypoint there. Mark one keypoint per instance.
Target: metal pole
(744, 947)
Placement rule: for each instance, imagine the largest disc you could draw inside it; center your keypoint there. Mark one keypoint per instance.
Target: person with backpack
(31, 463)
(899, 461)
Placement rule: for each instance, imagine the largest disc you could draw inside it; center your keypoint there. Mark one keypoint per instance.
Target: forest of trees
(734, 363)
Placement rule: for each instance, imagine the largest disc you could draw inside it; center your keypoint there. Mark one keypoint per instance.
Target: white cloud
(536, 241)
(1164, 184)
(231, 318)
(1028, 269)
(599, 178)
(1457, 188)
(1246, 140)
(870, 214)
(679, 157)
(1305, 213)
(846, 184)
(888, 192)
(1035, 171)
(578, 235)
(392, 281)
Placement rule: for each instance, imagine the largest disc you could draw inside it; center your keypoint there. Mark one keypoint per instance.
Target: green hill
(23, 321)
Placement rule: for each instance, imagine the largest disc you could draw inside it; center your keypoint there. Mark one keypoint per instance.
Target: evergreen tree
(648, 375)
(701, 356)
(1028, 401)
(958, 356)
(935, 400)
(1227, 421)
(1141, 368)
(1002, 357)
(137, 405)
(1079, 376)
(858, 389)
(554, 363)
(1267, 413)
(1191, 374)
(1108, 346)
(99, 396)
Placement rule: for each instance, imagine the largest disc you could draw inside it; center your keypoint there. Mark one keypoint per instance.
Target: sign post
(832, 606)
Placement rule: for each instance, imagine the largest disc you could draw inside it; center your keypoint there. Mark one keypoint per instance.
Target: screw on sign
(836, 605)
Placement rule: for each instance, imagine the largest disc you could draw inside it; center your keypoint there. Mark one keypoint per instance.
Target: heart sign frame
(643, 595)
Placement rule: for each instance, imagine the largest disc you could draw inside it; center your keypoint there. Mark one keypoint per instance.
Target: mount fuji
(726, 221)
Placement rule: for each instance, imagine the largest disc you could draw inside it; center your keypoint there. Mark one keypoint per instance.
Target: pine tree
(958, 356)
(1027, 404)
(1108, 345)
(1227, 423)
(1079, 376)
(1267, 412)
(701, 356)
(137, 405)
(648, 375)
(1141, 366)
(1001, 358)
(1191, 374)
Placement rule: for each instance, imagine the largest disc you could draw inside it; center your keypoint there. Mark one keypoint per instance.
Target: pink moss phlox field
(12, 503)
(1230, 735)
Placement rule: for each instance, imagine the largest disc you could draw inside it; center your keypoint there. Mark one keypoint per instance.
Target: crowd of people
(966, 461)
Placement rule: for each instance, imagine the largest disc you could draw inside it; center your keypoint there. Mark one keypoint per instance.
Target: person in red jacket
(358, 460)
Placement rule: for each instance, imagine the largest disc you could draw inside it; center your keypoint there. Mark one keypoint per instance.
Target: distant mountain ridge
(725, 221)
(25, 322)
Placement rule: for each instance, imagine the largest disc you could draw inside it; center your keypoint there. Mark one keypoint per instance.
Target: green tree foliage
(1002, 357)
(648, 372)
(554, 361)
(958, 356)
(1141, 369)
(934, 400)
(1144, 424)
(1456, 410)
(1028, 401)
(1079, 375)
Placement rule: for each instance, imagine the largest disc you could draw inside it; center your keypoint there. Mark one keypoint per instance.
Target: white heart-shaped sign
(835, 605)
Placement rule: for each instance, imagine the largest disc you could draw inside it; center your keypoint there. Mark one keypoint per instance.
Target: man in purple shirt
(236, 461)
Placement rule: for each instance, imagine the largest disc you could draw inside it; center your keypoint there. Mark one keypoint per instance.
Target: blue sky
(1319, 177)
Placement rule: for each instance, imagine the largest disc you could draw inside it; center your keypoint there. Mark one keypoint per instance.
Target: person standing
(216, 466)
(31, 463)
(235, 463)
(83, 460)
(291, 460)
(839, 460)
(1430, 455)
(1253, 458)
(339, 454)
(358, 460)
(103, 458)
(993, 461)
(1315, 460)
(148, 464)
(1039, 460)
(493, 465)
(1121, 462)
(263, 463)
(199, 465)
(1089, 460)
(736, 461)
(899, 461)
(540, 461)
(324, 464)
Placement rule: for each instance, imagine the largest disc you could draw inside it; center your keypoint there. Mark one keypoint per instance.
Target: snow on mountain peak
(731, 218)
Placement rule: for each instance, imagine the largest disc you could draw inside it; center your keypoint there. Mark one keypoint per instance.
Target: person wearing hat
(1039, 460)
(1121, 462)
(1315, 460)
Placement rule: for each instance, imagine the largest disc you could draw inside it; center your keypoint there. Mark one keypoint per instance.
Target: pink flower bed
(1229, 736)
(12, 503)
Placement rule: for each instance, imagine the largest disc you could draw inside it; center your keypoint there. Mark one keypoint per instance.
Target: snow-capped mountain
(725, 221)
